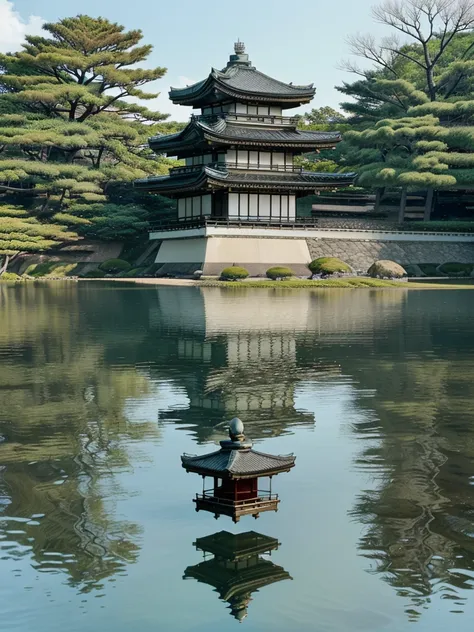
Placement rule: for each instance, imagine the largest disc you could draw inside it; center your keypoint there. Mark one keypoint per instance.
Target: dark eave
(241, 82)
(202, 133)
(231, 546)
(237, 463)
(207, 178)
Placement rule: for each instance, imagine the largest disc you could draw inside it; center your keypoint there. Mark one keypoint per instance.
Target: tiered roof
(236, 459)
(203, 132)
(207, 177)
(241, 81)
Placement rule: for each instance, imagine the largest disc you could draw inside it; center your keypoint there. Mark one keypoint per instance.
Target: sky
(295, 42)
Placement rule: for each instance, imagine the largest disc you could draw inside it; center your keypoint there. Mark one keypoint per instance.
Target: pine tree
(70, 125)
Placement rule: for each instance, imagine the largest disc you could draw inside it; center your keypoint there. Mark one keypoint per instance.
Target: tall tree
(70, 124)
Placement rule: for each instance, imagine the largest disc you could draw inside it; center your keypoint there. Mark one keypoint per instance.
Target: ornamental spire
(239, 47)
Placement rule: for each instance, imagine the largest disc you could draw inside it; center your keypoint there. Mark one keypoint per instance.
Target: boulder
(386, 269)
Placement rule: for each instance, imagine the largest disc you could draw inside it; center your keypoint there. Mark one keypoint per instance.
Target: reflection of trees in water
(420, 450)
(62, 400)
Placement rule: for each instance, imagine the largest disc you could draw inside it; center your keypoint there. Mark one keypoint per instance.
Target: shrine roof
(239, 463)
(215, 176)
(240, 80)
(218, 130)
(236, 545)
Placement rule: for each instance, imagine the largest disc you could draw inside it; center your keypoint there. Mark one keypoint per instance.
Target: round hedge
(112, 266)
(93, 274)
(456, 269)
(328, 265)
(9, 276)
(279, 272)
(233, 273)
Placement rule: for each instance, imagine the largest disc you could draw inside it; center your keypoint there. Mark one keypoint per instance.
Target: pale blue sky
(300, 41)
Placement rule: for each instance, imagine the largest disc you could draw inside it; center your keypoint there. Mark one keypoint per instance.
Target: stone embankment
(361, 253)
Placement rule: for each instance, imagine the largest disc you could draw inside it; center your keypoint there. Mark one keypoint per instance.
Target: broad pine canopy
(72, 124)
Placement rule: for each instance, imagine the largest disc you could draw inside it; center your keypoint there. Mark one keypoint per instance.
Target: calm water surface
(104, 386)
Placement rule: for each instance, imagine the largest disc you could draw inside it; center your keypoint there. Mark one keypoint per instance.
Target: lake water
(103, 386)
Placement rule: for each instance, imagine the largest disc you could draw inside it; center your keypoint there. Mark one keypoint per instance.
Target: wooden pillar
(428, 204)
(403, 203)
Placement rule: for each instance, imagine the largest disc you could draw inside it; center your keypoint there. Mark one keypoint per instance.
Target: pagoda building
(237, 568)
(239, 171)
(235, 470)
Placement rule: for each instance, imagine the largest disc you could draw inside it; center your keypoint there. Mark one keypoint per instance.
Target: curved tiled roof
(208, 177)
(238, 463)
(220, 131)
(242, 81)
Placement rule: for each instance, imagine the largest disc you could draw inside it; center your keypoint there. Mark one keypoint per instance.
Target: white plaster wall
(278, 158)
(233, 204)
(206, 204)
(182, 251)
(264, 206)
(257, 251)
(292, 207)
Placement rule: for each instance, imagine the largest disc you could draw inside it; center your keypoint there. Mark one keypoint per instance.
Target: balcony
(244, 166)
(262, 119)
(232, 222)
(263, 501)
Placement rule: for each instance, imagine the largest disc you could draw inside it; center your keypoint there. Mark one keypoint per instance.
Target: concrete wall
(184, 256)
(360, 254)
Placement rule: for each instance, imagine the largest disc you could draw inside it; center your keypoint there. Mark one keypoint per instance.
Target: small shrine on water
(239, 174)
(237, 568)
(236, 469)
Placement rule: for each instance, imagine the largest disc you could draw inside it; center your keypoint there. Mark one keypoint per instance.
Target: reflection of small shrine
(236, 469)
(237, 568)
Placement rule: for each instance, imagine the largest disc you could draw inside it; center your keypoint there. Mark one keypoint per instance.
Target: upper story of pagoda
(241, 88)
(240, 107)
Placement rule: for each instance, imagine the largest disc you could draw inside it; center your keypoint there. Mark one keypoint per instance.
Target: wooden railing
(232, 222)
(262, 497)
(249, 166)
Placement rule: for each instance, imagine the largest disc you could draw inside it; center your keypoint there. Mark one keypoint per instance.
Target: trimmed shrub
(430, 269)
(386, 269)
(279, 272)
(328, 265)
(134, 272)
(233, 273)
(456, 269)
(93, 274)
(413, 270)
(10, 276)
(113, 266)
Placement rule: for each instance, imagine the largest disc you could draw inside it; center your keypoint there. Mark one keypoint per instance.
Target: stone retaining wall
(360, 254)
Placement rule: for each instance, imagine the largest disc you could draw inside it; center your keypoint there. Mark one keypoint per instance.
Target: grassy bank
(349, 283)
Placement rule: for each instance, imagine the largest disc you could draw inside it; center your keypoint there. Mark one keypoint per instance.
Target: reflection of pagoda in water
(237, 568)
(249, 369)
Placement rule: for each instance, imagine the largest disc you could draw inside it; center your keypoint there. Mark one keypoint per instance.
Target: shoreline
(350, 283)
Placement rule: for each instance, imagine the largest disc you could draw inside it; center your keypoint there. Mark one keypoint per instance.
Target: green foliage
(456, 269)
(112, 266)
(93, 274)
(134, 272)
(430, 269)
(296, 284)
(10, 276)
(54, 269)
(19, 232)
(279, 272)
(71, 126)
(234, 273)
(328, 265)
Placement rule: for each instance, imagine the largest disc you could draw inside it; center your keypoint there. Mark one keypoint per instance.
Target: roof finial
(236, 429)
(239, 47)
